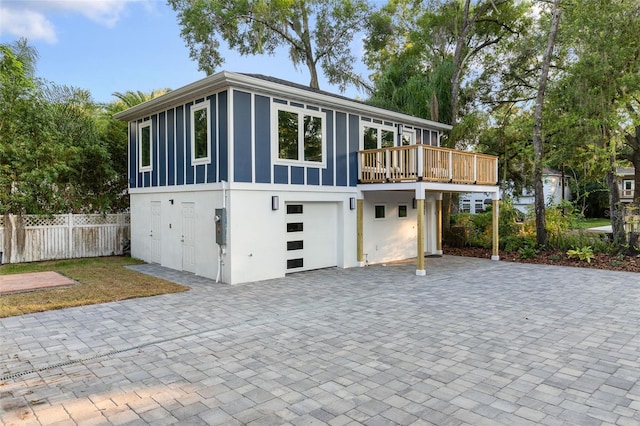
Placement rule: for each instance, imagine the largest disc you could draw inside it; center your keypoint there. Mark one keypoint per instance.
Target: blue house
(243, 177)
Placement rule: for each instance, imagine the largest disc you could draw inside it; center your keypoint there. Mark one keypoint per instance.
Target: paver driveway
(473, 342)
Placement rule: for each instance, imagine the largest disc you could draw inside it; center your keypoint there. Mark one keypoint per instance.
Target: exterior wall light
(275, 202)
(352, 203)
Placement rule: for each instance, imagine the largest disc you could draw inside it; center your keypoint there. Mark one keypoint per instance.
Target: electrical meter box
(221, 226)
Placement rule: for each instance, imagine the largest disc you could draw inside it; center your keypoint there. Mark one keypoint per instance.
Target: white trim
(140, 126)
(412, 136)
(253, 137)
(384, 205)
(157, 151)
(421, 272)
(184, 141)
(246, 186)
(205, 105)
(301, 112)
(166, 149)
(231, 142)
(226, 79)
(426, 186)
(406, 216)
(217, 165)
(335, 146)
(379, 127)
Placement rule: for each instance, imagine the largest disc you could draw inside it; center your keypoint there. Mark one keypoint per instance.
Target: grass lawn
(101, 279)
(592, 223)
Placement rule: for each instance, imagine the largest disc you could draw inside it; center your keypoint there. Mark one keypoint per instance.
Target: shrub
(582, 253)
(527, 252)
(516, 242)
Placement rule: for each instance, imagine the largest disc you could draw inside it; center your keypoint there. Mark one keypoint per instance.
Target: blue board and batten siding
(171, 147)
(252, 116)
(252, 152)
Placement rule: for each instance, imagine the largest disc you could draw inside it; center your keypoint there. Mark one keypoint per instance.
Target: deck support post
(495, 225)
(439, 224)
(420, 271)
(359, 231)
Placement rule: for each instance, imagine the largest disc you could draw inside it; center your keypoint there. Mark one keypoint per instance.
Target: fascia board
(226, 79)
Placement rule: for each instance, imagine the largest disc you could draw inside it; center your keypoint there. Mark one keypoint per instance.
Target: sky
(108, 46)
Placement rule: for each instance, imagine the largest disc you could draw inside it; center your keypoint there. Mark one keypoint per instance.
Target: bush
(516, 242)
(527, 252)
(582, 253)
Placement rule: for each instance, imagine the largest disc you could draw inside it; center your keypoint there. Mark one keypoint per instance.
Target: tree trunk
(615, 212)
(538, 144)
(633, 142)
(457, 66)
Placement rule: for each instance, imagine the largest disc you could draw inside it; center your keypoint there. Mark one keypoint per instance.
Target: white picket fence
(31, 238)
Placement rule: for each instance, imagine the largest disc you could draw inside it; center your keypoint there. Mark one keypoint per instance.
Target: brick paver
(473, 342)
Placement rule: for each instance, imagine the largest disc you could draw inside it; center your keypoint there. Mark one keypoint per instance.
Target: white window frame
(141, 126)
(408, 132)
(206, 105)
(277, 107)
(384, 206)
(379, 127)
(406, 207)
(628, 192)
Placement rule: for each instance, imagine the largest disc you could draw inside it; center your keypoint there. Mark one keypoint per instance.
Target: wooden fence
(31, 238)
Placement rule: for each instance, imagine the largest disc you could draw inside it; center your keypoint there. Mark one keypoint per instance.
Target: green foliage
(527, 252)
(261, 26)
(57, 154)
(584, 253)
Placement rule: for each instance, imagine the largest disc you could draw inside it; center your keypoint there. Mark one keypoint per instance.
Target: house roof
(625, 171)
(272, 86)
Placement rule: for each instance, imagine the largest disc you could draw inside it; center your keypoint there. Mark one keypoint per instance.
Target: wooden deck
(426, 163)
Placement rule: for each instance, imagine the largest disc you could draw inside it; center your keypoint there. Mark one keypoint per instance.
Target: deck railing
(426, 163)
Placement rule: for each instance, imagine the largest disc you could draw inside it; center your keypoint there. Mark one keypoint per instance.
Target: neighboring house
(244, 177)
(552, 181)
(626, 182)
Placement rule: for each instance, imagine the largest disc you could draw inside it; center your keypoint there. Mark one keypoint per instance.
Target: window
(466, 206)
(379, 211)
(295, 245)
(145, 136)
(200, 133)
(627, 188)
(402, 211)
(300, 135)
(408, 137)
(295, 227)
(378, 137)
(434, 138)
(294, 208)
(479, 206)
(295, 263)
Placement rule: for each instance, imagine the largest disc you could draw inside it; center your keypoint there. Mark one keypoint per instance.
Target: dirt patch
(600, 261)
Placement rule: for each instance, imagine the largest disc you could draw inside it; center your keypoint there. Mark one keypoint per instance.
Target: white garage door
(311, 236)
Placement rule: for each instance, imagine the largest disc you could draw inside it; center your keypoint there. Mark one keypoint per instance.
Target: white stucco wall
(394, 238)
(171, 247)
(258, 243)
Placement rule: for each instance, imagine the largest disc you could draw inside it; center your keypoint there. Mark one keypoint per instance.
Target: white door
(188, 237)
(154, 233)
(311, 236)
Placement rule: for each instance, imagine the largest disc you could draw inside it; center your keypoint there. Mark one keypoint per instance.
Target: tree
(597, 85)
(451, 34)
(316, 32)
(54, 157)
(538, 144)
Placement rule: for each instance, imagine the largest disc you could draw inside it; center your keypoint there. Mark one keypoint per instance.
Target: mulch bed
(600, 261)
